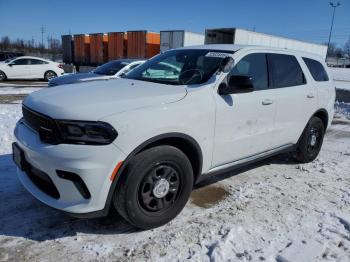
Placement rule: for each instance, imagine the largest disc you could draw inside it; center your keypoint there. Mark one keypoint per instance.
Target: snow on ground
(22, 84)
(341, 77)
(275, 210)
(6, 90)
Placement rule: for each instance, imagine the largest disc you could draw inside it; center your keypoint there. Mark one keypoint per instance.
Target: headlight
(86, 132)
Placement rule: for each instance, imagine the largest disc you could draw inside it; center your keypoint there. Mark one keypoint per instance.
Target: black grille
(36, 120)
(44, 125)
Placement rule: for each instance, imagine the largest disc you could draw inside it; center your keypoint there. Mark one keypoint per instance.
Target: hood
(95, 100)
(76, 78)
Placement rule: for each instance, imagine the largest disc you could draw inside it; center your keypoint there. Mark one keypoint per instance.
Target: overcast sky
(305, 20)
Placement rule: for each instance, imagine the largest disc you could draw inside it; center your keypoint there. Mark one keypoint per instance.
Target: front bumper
(93, 164)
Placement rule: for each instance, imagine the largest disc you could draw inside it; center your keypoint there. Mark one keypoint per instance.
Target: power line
(42, 31)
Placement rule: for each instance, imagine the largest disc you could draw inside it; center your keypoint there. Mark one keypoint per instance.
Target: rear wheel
(311, 140)
(2, 76)
(155, 188)
(49, 75)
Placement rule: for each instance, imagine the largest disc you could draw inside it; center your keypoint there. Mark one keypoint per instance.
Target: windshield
(110, 68)
(9, 59)
(180, 67)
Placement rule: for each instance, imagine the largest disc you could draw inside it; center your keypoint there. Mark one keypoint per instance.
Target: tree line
(54, 46)
(338, 51)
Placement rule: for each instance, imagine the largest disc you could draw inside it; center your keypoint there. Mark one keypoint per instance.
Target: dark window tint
(37, 62)
(20, 62)
(255, 66)
(110, 68)
(285, 70)
(316, 69)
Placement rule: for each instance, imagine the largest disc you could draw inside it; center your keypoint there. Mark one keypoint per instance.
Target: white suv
(141, 142)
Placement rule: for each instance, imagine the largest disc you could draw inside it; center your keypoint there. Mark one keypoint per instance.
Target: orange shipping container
(81, 49)
(116, 45)
(96, 49)
(142, 44)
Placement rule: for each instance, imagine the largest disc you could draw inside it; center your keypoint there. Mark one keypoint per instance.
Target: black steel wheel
(155, 188)
(160, 188)
(311, 140)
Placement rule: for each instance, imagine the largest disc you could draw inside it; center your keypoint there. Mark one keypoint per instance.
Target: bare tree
(347, 48)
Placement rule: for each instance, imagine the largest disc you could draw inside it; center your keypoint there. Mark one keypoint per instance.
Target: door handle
(267, 102)
(310, 95)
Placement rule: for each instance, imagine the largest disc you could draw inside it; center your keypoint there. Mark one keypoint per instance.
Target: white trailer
(245, 37)
(179, 38)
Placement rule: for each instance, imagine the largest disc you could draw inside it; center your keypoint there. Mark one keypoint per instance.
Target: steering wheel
(191, 76)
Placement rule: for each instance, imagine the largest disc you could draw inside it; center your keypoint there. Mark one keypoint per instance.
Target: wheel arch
(323, 115)
(185, 143)
(4, 74)
(49, 70)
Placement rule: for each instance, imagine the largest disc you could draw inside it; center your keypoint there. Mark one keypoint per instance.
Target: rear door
(18, 68)
(245, 121)
(38, 68)
(324, 85)
(296, 97)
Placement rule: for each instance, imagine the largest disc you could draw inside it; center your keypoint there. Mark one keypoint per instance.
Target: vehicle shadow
(21, 215)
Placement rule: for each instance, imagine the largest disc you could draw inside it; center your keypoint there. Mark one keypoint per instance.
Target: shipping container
(67, 49)
(179, 38)
(245, 37)
(116, 45)
(97, 49)
(82, 49)
(142, 44)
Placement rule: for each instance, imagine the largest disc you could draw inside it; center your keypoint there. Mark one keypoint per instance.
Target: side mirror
(237, 84)
(10, 65)
(226, 64)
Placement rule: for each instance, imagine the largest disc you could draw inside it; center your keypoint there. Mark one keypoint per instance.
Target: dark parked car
(112, 69)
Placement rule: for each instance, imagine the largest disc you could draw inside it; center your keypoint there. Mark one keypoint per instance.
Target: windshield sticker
(216, 54)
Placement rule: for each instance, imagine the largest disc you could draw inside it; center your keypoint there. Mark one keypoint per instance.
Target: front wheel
(311, 140)
(155, 188)
(2, 76)
(49, 75)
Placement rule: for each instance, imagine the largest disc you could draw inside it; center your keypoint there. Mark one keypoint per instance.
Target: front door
(18, 68)
(245, 121)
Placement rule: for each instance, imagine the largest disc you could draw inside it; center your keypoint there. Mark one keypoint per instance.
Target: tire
(3, 76)
(49, 75)
(141, 196)
(310, 142)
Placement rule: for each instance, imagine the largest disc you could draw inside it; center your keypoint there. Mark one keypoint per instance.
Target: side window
(285, 70)
(21, 62)
(316, 69)
(37, 62)
(255, 66)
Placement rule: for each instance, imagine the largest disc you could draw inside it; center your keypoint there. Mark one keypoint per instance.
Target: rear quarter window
(316, 69)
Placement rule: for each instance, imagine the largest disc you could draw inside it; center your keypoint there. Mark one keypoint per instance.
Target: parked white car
(30, 67)
(111, 70)
(141, 142)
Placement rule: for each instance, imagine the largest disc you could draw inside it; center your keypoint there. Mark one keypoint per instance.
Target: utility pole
(334, 6)
(42, 31)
